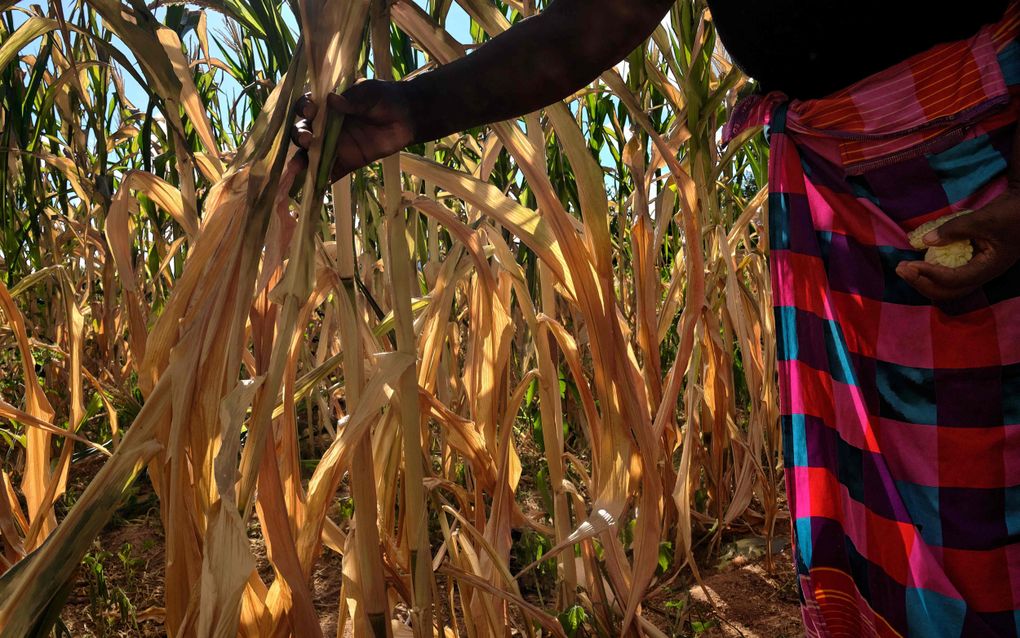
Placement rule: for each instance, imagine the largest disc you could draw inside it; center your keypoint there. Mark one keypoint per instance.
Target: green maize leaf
(389, 321)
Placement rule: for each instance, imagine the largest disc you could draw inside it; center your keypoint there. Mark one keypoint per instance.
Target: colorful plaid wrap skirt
(900, 416)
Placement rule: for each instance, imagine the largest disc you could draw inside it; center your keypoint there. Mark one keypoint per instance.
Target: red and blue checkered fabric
(901, 417)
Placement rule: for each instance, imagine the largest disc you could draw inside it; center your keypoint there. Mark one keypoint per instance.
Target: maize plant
(553, 328)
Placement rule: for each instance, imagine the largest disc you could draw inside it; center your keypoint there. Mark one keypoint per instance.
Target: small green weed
(110, 608)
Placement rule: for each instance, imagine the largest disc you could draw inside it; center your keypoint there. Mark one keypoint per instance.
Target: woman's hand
(531, 65)
(995, 233)
(377, 123)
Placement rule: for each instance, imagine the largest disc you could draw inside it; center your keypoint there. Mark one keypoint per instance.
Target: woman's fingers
(941, 283)
(305, 107)
(377, 123)
(949, 278)
(961, 228)
(301, 134)
(931, 281)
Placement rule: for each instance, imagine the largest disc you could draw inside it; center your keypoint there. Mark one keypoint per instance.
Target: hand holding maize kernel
(951, 255)
(975, 248)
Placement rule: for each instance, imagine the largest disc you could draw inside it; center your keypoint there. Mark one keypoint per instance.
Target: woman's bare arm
(535, 63)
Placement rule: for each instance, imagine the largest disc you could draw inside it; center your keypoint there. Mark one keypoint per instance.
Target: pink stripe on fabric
(787, 295)
(886, 106)
(800, 506)
(926, 570)
(877, 95)
(943, 96)
(1005, 32)
(885, 85)
(882, 147)
(823, 214)
(809, 381)
(991, 55)
(785, 175)
(853, 515)
(891, 114)
(852, 419)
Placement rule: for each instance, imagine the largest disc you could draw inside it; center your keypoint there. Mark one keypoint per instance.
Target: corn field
(555, 329)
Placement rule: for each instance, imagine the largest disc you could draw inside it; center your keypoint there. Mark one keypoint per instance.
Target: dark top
(810, 48)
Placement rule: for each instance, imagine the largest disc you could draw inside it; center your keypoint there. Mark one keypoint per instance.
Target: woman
(900, 380)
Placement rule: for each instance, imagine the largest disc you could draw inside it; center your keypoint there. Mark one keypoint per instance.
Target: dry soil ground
(740, 596)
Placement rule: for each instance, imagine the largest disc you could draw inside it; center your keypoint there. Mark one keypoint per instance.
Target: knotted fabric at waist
(931, 98)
